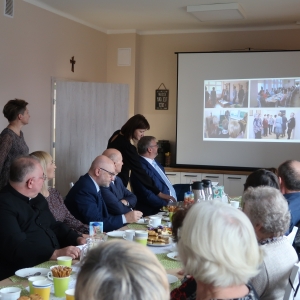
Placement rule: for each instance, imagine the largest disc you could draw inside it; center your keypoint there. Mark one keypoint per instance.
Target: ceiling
(171, 16)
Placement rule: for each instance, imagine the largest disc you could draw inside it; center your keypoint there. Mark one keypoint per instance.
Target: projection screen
(238, 109)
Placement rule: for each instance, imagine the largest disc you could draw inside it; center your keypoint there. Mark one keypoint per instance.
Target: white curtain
(87, 114)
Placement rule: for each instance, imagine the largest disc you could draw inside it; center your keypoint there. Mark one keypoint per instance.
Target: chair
(291, 290)
(292, 235)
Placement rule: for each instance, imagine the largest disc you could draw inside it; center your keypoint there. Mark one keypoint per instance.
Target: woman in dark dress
(12, 143)
(133, 129)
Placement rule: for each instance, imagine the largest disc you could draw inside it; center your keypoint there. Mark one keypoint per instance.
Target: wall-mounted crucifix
(73, 62)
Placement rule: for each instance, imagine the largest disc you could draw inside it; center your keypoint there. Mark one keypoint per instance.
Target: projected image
(275, 92)
(273, 124)
(225, 124)
(226, 94)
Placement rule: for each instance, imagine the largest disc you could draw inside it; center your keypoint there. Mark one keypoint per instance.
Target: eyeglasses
(110, 173)
(44, 177)
(153, 145)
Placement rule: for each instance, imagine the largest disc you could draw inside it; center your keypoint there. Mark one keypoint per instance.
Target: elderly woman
(217, 246)
(54, 198)
(269, 214)
(11, 138)
(135, 275)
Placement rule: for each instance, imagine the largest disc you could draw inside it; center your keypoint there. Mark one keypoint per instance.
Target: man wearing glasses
(118, 199)
(29, 233)
(147, 201)
(85, 201)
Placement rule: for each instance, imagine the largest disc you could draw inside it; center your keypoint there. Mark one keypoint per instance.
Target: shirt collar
(96, 185)
(16, 193)
(149, 160)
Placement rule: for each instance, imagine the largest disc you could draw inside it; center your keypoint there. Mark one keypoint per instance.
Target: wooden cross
(73, 62)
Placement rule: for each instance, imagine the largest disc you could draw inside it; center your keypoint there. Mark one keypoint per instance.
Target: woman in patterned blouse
(12, 143)
(54, 198)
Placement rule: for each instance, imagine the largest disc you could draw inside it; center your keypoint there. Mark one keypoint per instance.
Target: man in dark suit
(289, 179)
(118, 199)
(28, 231)
(85, 201)
(148, 202)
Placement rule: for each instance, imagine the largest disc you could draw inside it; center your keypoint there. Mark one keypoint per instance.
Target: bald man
(118, 199)
(28, 231)
(85, 201)
(289, 179)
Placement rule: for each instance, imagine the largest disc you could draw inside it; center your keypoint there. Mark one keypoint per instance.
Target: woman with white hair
(269, 214)
(121, 270)
(218, 247)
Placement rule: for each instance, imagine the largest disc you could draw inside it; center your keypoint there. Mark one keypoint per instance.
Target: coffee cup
(31, 279)
(64, 261)
(70, 294)
(141, 237)
(10, 293)
(235, 203)
(154, 221)
(42, 288)
(61, 284)
(129, 234)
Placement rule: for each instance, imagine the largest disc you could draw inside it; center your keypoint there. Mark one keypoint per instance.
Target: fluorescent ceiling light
(217, 12)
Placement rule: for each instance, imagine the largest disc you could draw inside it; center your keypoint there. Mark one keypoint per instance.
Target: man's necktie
(165, 179)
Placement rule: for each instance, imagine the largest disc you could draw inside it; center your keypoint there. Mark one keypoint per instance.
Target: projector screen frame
(216, 167)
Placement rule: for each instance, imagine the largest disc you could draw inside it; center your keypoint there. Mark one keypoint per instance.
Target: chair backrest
(292, 235)
(293, 283)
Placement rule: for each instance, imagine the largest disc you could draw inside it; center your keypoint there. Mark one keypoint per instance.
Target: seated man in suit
(149, 203)
(117, 198)
(289, 179)
(28, 231)
(85, 201)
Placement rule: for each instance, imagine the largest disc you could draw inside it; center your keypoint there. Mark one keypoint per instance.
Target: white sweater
(279, 258)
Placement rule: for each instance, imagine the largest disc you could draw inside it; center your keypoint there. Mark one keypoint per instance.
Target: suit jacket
(147, 201)
(131, 161)
(113, 195)
(29, 233)
(86, 205)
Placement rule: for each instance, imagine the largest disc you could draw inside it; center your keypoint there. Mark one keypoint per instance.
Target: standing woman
(121, 140)
(12, 143)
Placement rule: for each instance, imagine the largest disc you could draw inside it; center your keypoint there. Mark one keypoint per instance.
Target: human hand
(166, 197)
(125, 202)
(133, 216)
(72, 251)
(81, 240)
(182, 273)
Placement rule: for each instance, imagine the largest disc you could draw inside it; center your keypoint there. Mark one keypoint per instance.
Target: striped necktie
(165, 179)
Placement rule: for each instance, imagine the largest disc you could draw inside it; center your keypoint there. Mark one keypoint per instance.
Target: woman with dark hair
(121, 140)
(262, 177)
(12, 143)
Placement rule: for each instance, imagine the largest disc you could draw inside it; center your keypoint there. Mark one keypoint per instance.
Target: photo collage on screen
(252, 109)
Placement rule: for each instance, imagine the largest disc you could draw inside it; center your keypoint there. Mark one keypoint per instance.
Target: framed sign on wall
(162, 98)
